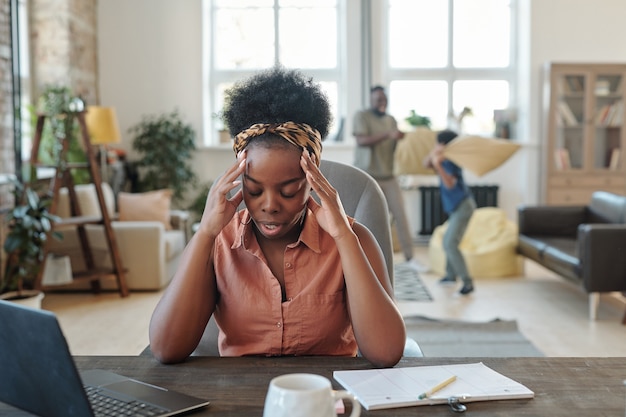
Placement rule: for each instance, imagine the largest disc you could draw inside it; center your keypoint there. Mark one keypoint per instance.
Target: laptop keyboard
(104, 405)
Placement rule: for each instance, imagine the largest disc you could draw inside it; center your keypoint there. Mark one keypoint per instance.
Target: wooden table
(237, 386)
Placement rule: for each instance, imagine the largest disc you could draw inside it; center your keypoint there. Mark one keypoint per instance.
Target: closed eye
(258, 193)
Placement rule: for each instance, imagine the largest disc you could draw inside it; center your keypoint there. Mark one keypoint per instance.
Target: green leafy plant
(29, 224)
(199, 202)
(165, 144)
(58, 104)
(415, 120)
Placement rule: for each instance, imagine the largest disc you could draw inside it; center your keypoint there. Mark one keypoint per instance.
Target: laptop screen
(38, 373)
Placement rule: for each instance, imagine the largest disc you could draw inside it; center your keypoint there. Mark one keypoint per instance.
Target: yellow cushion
(149, 206)
(480, 154)
(411, 151)
(488, 246)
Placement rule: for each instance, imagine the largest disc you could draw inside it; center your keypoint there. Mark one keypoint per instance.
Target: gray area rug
(450, 338)
(407, 285)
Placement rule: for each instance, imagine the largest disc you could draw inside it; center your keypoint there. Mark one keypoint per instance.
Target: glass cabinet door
(570, 121)
(608, 121)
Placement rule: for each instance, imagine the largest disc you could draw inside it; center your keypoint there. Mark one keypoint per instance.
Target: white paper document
(401, 387)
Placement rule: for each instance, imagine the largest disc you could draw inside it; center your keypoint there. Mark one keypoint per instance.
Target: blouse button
(278, 324)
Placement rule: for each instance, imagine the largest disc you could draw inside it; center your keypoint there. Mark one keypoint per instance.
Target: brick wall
(64, 46)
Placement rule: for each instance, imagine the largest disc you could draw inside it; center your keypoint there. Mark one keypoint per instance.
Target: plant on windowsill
(165, 144)
(223, 132)
(416, 120)
(29, 224)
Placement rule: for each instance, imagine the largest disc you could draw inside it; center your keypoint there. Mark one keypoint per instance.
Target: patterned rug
(408, 286)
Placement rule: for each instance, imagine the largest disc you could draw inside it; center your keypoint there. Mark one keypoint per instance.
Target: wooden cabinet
(586, 141)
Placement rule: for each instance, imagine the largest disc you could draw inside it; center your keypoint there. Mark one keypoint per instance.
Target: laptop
(38, 373)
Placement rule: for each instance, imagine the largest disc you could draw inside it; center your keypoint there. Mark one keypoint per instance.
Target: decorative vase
(28, 298)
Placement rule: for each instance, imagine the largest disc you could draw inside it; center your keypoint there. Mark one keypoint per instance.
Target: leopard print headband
(300, 134)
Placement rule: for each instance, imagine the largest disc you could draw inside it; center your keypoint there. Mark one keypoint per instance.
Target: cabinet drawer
(577, 195)
(595, 182)
(571, 197)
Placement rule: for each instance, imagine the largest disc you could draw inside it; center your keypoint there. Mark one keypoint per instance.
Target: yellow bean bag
(489, 246)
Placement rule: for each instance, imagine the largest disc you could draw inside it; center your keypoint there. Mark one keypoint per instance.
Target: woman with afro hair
(285, 275)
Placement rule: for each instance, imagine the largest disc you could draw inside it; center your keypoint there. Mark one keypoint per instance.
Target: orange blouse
(250, 313)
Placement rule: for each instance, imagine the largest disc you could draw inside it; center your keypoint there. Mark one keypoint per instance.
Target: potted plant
(199, 202)
(165, 143)
(56, 102)
(416, 120)
(29, 225)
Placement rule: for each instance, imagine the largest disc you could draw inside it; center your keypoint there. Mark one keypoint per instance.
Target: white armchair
(150, 252)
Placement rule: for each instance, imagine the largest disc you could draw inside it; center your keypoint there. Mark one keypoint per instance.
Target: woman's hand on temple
(330, 213)
(219, 209)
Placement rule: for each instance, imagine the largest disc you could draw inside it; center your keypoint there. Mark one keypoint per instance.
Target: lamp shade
(102, 125)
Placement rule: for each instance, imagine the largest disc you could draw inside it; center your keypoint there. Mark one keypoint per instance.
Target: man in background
(377, 135)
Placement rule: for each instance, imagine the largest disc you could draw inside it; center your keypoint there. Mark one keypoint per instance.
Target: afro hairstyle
(276, 95)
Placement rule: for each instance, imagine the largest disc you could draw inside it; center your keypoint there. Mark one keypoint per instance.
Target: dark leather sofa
(586, 244)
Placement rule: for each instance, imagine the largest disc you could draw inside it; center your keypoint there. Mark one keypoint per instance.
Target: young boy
(459, 204)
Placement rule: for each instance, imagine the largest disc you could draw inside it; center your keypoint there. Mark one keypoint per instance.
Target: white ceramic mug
(304, 395)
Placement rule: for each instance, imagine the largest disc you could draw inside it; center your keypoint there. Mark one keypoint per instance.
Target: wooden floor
(551, 312)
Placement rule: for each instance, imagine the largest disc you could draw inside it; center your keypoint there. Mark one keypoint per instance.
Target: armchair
(150, 252)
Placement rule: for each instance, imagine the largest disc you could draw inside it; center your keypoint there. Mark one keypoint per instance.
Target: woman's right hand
(219, 209)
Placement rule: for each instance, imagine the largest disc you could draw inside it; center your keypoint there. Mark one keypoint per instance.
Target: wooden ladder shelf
(63, 178)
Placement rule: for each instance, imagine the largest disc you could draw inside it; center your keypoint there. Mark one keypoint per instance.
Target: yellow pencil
(437, 387)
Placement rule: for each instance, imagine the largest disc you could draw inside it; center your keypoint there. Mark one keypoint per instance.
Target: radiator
(432, 214)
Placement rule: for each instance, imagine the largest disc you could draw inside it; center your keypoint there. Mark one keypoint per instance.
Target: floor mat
(455, 338)
(408, 286)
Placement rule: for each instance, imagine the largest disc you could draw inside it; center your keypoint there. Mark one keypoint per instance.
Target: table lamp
(103, 130)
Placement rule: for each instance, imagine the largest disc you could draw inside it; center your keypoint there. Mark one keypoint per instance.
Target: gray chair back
(362, 199)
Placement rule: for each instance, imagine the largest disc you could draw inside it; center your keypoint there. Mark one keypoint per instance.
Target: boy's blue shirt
(452, 197)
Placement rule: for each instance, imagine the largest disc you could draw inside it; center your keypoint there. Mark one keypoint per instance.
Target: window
(246, 36)
(21, 78)
(441, 56)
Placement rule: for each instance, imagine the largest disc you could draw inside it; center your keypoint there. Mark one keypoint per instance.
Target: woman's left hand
(330, 213)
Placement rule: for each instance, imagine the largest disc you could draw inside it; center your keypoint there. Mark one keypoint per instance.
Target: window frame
(385, 74)
(362, 35)
(213, 77)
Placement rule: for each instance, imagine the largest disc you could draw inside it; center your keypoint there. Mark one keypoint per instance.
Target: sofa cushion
(561, 244)
(562, 262)
(149, 206)
(87, 200)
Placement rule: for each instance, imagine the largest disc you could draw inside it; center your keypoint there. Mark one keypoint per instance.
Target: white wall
(150, 62)
(150, 59)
